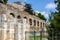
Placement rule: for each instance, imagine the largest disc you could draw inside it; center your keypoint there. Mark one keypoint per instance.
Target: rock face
(15, 23)
(2, 8)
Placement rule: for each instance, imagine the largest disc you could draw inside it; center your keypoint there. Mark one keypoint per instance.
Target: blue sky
(43, 6)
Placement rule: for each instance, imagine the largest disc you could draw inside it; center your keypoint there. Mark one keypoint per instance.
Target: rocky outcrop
(3, 8)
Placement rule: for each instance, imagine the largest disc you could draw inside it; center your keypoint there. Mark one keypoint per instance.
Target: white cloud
(45, 14)
(51, 6)
(37, 11)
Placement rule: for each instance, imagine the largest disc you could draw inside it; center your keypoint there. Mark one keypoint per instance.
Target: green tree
(28, 9)
(41, 16)
(50, 28)
(55, 23)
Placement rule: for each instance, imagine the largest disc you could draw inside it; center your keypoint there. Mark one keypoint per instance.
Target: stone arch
(37, 23)
(12, 14)
(40, 24)
(18, 17)
(15, 14)
(34, 22)
(30, 21)
(25, 17)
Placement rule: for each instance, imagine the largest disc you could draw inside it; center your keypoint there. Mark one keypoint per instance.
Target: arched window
(30, 21)
(37, 23)
(18, 17)
(12, 14)
(34, 22)
(25, 17)
(43, 24)
(40, 24)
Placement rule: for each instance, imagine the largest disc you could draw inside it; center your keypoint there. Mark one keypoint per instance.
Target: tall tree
(55, 23)
(50, 28)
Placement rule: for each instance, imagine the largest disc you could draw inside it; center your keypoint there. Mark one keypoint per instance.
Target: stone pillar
(3, 26)
(18, 30)
(25, 31)
(32, 22)
(39, 26)
(28, 20)
(36, 23)
(10, 29)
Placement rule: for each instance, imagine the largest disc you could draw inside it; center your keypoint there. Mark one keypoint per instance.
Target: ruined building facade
(15, 22)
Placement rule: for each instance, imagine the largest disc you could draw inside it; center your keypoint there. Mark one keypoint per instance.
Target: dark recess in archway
(19, 17)
(12, 14)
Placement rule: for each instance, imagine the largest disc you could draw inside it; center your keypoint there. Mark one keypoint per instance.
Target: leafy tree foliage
(28, 9)
(50, 28)
(55, 23)
(41, 16)
(56, 20)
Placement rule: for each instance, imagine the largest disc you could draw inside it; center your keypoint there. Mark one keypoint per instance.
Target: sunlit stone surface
(16, 24)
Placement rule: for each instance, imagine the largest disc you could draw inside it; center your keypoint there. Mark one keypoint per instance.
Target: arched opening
(43, 24)
(25, 17)
(30, 21)
(12, 14)
(37, 23)
(1, 1)
(40, 24)
(34, 22)
(18, 17)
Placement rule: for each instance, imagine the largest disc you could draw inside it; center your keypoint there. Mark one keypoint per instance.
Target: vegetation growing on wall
(28, 9)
